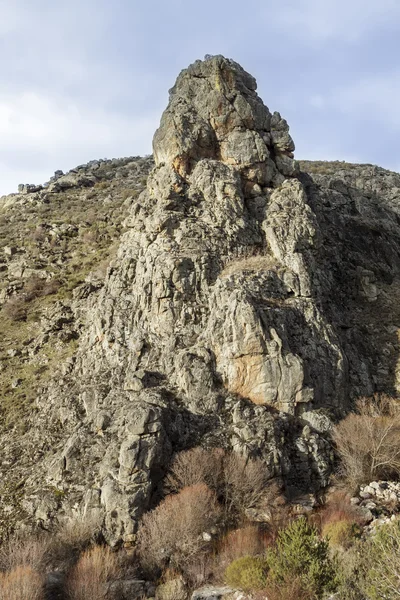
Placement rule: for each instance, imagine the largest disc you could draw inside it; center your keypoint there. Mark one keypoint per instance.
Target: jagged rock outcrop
(236, 313)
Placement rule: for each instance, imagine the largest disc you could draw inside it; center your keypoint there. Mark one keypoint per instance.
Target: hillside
(223, 295)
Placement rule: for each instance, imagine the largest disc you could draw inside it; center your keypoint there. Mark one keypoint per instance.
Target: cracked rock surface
(249, 302)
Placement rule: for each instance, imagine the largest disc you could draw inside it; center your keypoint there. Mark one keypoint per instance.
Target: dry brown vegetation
(15, 309)
(20, 551)
(199, 533)
(172, 533)
(194, 466)
(22, 583)
(249, 540)
(244, 541)
(292, 589)
(324, 167)
(58, 550)
(368, 441)
(246, 484)
(249, 263)
(88, 578)
(337, 508)
(241, 483)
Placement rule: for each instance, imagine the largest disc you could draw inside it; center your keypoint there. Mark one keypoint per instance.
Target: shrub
(71, 539)
(19, 551)
(239, 482)
(88, 578)
(247, 573)
(245, 483)
(245, 541)
(299, 553)
(129, 193)
(351, 572)
(382, 563)
(101, 185)
(36, 287)
(38, 235)
(22, 583)
(172, 534)
(172, 589)
(338, 508)
(291, 589)
(195, 466)
(368, 442)
(15, 309)
(341, 533)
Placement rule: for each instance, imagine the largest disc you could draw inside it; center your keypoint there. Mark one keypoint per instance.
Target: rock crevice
(220, 320)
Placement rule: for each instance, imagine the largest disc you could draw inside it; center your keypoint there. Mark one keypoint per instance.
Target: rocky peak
(214, 113)
(247, 304)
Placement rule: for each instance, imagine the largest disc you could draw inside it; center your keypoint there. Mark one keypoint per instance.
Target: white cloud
(347, 20)
(375, 99)
(317, 101)
(53, 130)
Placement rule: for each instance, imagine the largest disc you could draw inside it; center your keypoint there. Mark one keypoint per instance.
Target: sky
(87, 79)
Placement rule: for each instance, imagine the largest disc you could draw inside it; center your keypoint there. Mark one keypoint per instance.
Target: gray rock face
(215, 113)
(216, 593)
(237, 313)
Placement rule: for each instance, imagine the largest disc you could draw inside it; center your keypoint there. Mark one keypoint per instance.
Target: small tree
(368, 442)
(172, 534)
(245, 483)
(300, 554)
(195, 466)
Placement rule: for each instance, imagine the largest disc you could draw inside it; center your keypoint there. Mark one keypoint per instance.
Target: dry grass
(245, 541)
(20, 551)
(249, 263)
(292, 589)
(172, 534)
(88, 578)
(337, 508)
(22, 583)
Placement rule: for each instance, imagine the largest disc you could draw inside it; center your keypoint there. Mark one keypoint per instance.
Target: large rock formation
(237, 313)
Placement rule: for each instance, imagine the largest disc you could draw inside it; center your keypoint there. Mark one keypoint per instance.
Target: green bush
(341, 533)
(381, 563)
(351, 572)
(300, 553)
(247, 573)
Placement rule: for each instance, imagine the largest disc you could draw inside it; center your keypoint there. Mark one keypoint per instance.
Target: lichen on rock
(229, 316)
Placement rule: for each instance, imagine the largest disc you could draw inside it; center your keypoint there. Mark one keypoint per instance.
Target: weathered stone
(174, 589)
(213, 593)
(129, 589)
(9, 250)
(247, 305)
